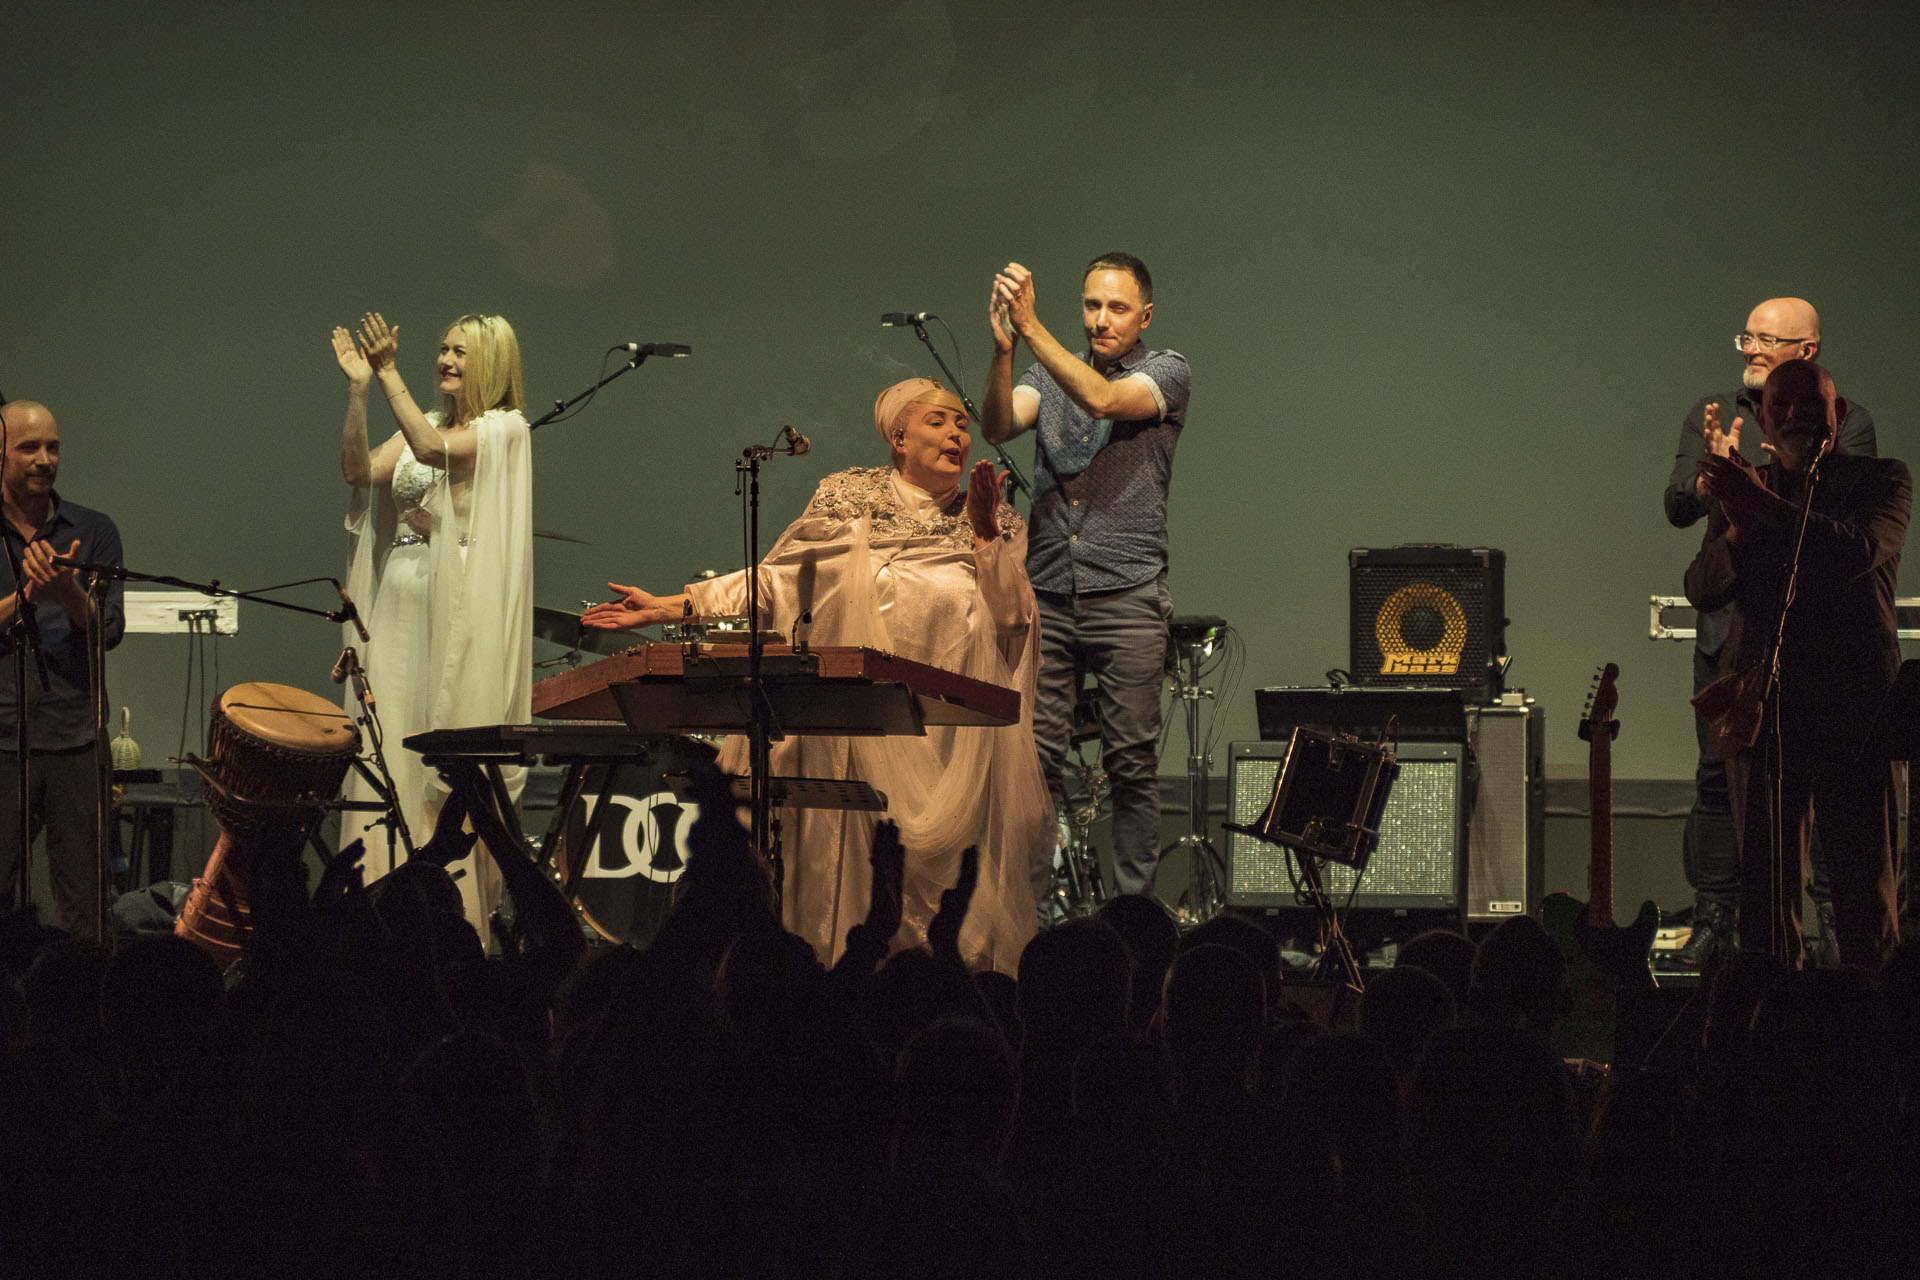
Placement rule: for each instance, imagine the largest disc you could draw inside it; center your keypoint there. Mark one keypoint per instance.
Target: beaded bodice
(869, 491)
(413, 480)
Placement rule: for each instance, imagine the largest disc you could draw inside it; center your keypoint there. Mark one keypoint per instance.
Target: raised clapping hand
(888, 859)
(1724, 475)
(984, 488)
(1013, 292)
(943, 931)
(380, 343)
(999, 322)
(1720, 443)
(634, 608)
(352, 362)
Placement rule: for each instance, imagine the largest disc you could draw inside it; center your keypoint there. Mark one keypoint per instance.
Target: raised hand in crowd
(867, 942)
(943, 931)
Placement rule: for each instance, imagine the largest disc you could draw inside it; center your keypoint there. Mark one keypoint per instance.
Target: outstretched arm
(633, 607)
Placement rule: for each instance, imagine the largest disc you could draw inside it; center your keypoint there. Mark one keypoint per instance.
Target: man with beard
(1778, 330)
(1816, 535)
(63, 792)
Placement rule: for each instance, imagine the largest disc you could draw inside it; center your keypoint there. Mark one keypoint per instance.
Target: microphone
(797, 444)
(894, 319)
(675, 349)
(351, 614)
(341, 665)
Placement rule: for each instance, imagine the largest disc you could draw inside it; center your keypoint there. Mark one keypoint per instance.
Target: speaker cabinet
(1429, 616)
(1507, 827)
(1419, 863)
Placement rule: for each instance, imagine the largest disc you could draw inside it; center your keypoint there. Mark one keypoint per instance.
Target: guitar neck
(1600, 825)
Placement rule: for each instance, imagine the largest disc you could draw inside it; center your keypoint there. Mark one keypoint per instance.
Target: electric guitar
(1602, 959)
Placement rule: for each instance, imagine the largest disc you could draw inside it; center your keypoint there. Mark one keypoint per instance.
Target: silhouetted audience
(368, 1093)
(1445, 954)
(1148, 929)
(1401, 1010)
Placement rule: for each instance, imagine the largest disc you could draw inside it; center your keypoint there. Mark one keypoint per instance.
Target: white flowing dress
(880, 562)
(450, 623)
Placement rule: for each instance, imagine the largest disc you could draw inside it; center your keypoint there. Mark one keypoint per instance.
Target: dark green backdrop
(1444, 272)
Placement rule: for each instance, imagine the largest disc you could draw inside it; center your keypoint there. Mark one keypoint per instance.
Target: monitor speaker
(1419, 863)
(1428, 616)
(1507, 825)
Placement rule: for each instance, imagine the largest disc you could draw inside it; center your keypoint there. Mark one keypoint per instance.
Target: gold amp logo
(1422, 631)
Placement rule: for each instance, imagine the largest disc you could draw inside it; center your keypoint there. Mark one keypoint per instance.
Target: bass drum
(622, 854)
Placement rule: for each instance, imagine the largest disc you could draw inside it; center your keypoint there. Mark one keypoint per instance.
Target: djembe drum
(279, 756)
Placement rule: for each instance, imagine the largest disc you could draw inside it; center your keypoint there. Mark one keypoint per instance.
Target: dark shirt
(1685, 506)
(61, 718)
(1099, 518)
(1840, 649)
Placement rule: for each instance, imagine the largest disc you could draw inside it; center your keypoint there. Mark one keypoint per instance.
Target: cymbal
(563, 628)
(557, 536)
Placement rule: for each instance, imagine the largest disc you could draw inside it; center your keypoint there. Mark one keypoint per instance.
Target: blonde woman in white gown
(441, 565)
(900, 558)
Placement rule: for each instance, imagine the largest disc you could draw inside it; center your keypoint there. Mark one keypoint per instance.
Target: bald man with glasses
(1778, 330)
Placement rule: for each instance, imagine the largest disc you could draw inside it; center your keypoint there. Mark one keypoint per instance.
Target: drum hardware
(1192, 639)
(1077, 889)
(564, 628)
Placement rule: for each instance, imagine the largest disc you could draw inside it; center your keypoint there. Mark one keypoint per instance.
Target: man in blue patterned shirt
(1107, 420)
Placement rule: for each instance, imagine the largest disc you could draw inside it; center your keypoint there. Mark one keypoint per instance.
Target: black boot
(1715, 926)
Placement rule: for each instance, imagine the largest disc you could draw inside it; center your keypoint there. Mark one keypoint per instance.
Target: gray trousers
(63, 802)
(1120, 638)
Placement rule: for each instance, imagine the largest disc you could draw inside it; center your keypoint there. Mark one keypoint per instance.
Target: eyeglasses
(1761, 341)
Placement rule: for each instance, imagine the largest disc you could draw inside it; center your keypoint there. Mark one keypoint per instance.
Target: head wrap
(888, 406)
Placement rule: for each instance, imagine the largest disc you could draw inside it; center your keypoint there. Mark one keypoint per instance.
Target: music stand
(1327, 802)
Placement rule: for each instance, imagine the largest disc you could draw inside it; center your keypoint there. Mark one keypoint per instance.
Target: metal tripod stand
(1076, 887)
(1194, 639)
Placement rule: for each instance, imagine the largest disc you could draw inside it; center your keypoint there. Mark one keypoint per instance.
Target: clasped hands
(1010, 308)
(44, 578)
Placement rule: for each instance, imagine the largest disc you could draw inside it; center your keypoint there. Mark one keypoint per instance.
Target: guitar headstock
(1601, 701)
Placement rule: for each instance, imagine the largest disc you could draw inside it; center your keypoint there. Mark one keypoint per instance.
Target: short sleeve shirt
(1099, 518)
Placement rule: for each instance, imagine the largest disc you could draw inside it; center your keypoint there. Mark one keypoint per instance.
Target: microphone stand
(1014, 477)
(637, 356)
(23, 634)
(380, 778)
(1770, 692)
(96, 634)
(763, 727)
